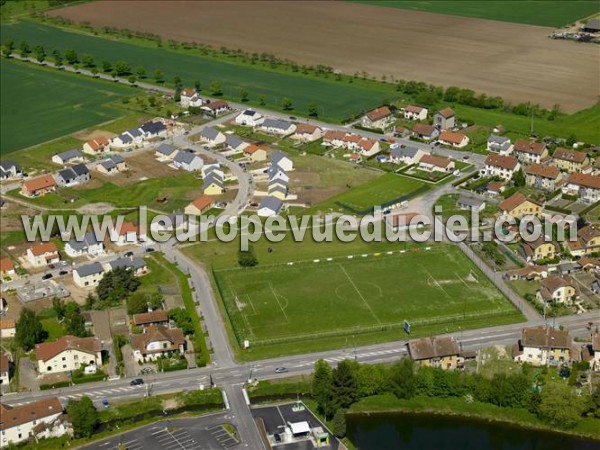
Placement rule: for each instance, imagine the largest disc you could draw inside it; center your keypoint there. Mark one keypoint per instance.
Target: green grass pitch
(376, 293)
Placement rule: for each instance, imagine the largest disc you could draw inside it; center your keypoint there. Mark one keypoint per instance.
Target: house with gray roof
(89, 275)
(153, 129)
(87, 245)
(138, 265)
(72, 176)
(277, 126)
(68, 157)
(281, 160)
(270, 206)
(471, 203)
(9, 169)
(499, 144)
(235, 143)
(112, 165)
(213, 184)
(277, 174)
(165, 151)
(187, 160)
(128, 139)
(212, 136)
(406, 155)
(250, 118)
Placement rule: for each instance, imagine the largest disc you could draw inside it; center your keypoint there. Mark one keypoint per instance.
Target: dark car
(105, 403)
(47, 276)
(293, 118)
(281, 370)
(137, 382)
(466, 157)
(128, 254)
(150, 250)
(63, 272)
(51, 266)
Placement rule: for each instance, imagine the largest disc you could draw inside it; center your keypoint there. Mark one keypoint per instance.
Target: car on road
(51, 266)
(150, 250)
(128, 255)
(137, 382)
(293, 118)
(281, 370)
(47, 276)
(62, 273)
(105, 403)
(466, 157)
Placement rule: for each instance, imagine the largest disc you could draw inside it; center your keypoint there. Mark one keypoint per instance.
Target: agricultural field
(43, 104)
(537, 12)
(360, 298)
(472, 53)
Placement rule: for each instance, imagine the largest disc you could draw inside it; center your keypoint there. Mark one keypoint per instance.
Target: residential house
(542, 346)
(153, 129)
(137, 265)
(8, 328)
(156, 341)
(445, 119)
(38, 187)
(10, 169)
(596, 167)
(212, 169)
(589, 264)
(529, 152)
(112, 165)
(212, 136)
(529, 273)
(595, 363)
(282, 161)
(73, 176)
(406, 155)
(495, 188)
(278, 190)
(412, 112)
(249, 118)
(270, 206)
(43, 254)
(235, 144)
(425, 132)
(127, 233)
(217, 107)
(189, 98)
(188, 161)
(543, 176)
(19, 421)
(355, 158)
(88, 275)
(200, 205)
(569, 160)
(432, 163)
(128, 139)
(87, 245)
(500, 166)
(5, 370)
(519, 206)
(307, 133)
(6, 267)
(539, 249)
(470, 203)
(556, 289)
(68, 353)
(277, 126)
(499, 144)
(165, 152)
(379, 118)
(276, 173)
(68, 157)
(334, 138)
(368, 147)
(584, 186)
(401, 131)
(435, 351)
(255, 153)
(457, 140)
(588, 241)
(158, 317)
(96, 146)
(213, 185)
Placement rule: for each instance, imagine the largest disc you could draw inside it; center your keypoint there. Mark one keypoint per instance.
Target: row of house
(136, 137)
(278, 184)
(185, 159)
(89, 275)
(213, 179)
(353, 142)
(10, 170)
(382, 118)
(44, 184)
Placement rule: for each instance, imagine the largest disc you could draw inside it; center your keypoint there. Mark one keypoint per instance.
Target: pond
(425, 431)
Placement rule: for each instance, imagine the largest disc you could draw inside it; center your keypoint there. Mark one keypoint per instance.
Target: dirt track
(517, 62)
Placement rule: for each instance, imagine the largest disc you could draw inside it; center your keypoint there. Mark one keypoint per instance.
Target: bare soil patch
(94, 134)
(141, 165)
(515, 61)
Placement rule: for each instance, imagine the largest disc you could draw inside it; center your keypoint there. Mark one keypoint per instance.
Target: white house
(87, 245)
(270, 206)
(156, 341)
(214, 168)
(379, 118)
(96, 146)
(499, 144)
(585, 186)
(412, 112)
(217, 107)
(112, 165)
(212, 136)
(450, 138)
(406, 155)
(68, 353)
(529, 152)
(5, 371)
(7, 328)
(153, 129)
(89, 275)
(188, 161)
(249, 118)
(276, 126)
(432, 163)
(189, 98)
(595, 363)
(500, 166)
(368, 147)
(307, 133)
(128, 139)
(542, 346)
(128, 233)
(68, 157)
(18, 422)
(282, 161)
(73, 176)
(276, 173)
(43, 254)
(9, 169)
(165, 152)
(235, 144)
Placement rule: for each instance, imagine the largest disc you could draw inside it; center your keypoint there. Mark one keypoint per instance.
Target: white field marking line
(277, 300)
(360, 295)
(462, 279)
(242, 313)
(436, 282)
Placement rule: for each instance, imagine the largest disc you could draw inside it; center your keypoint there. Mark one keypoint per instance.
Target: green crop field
(536, 12)
(42, 104)
(337, 100)
(435, 288)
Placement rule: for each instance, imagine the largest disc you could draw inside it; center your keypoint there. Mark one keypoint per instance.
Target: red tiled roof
(7, 324)
(584, 179)
(203, 202)
(423, 129)
(569, 155)
(97, 143)
(379, 113)
(46, 247)
(435, 161)
(446, 112)
(540, 337)
(156, 333)
(433, 347)
(413, 109)
(39, 183)
(536, 148)
(128, 227)
(4, 363)
(217, 104)
(13, 416)
(6, 265)
(542, 170)
(515, 200)
(150, 317)
(48, 350)
(453, 138)
(251, 149)
(504, 162)
(305, 128)
(334, 135)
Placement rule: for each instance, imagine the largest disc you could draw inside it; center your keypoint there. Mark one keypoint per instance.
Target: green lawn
(322, 304)
(42, 104)
(375, 192)
(536, 12)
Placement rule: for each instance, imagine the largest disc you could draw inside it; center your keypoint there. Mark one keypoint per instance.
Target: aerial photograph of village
(300, 224)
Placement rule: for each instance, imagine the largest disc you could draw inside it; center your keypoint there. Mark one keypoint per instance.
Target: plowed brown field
(517, 62)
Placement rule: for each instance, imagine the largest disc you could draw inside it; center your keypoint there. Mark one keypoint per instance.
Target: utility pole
(531, 125)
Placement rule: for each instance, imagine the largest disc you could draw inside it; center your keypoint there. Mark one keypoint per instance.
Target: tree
(182, 320)
(59, 307)
(40, 53)
(371, 379)
(56, 55)
(158, 76)
(8, 47)
(287, 104)
(94, 72)
(25, 50)
(519, 178)
(321, 385)
(116, 285)
(426, 98)
(338, 423)
(138, 302)
(71, 56)
(216, 88)
(132, 79)
(402, 378)
(560, 406)
(572, 139)
(177, 80)
(243, 95)
(106, 66)
(84, 416)
(88, 60)
(140, 71)
(247, 258)
(29, 330)
(343, 385)
(197, 85)
(122, 68)
(262, 100)
(74, 320)
(313, 109)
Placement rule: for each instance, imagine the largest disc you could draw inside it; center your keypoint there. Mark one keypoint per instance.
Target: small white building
(190, 99)
(89, 275)
(497, 165)
(18, 423)
(277, 127)
(68, 157)
(87, 245)
(188, 161)
(68, 353)
(43, 254)
(10, 169)
(412, 112)
(156, 341)
(249, 118)
(499, 144)
(96, 146)
(270, 206)
(307, 133)
(282, 161)
(212, 136)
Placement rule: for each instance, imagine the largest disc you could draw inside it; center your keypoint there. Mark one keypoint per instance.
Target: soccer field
(433, 289)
